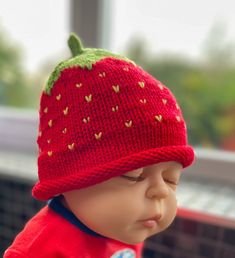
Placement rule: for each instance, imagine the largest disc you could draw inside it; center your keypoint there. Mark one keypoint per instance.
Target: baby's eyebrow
(134, 172)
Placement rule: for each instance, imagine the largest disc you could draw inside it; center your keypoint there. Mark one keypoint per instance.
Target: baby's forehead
(169, 166)
(163, 165)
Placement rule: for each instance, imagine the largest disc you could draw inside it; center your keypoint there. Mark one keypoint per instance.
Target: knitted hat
(101, 115)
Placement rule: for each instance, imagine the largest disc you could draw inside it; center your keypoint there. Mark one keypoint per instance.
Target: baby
(112, 146)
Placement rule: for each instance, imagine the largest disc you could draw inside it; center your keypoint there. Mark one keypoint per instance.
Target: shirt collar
(56, 205)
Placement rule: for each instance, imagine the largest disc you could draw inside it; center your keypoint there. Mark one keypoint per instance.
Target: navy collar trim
(56, 205)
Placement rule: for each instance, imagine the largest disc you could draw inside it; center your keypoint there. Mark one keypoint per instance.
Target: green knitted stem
(82, 57)
(75, 44)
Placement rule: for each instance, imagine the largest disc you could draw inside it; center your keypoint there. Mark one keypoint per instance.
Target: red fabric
(103, 122)
(49, 235)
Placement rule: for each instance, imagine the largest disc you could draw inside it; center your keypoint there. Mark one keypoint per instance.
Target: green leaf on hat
(75, 44)
(82, 57)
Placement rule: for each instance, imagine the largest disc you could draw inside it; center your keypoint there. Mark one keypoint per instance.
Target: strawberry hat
(101, 115)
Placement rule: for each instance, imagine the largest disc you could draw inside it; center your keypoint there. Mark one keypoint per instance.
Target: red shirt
(55, 232)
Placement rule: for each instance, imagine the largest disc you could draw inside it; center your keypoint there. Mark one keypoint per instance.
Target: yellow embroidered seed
(158, 118)
(58, 97)
(164, 101)
(178, 118)
(78, 85)
(160, 86)
(50, 123)
(141, 84)
(64, 131)
(39, 133)
(49, 153)
(86, 120)
(143, 101)
(88, 98)
(102, 74)
(49, 141)
(98, 136)
(116, 88)
(177, 106)
(115, 109)
(45, 110)
(126, 69)
(71, 146)
(128, 123)
(65, 111)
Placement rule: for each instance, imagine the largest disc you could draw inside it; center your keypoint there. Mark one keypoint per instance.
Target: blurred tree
(14, 84)
(217, 49)
(204, 90)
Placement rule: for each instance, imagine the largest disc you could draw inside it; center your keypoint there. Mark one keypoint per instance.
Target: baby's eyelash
(141, 178)
(170, 182)
(131, 178)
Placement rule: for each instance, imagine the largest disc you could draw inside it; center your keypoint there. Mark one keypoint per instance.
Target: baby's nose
(158, 190)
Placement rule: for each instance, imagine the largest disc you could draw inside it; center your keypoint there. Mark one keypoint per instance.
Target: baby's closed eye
(134, 178)
(135, 175)
(171, 177)
(171, 181)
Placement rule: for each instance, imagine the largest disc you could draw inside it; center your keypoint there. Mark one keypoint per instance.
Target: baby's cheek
(170, 209)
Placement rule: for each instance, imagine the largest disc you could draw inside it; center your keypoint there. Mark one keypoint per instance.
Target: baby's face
(132, 207)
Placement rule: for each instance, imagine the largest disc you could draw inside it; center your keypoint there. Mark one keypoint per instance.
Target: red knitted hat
(101, 115)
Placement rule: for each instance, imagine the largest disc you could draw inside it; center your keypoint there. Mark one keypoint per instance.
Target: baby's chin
(134, 240)
(139, 238)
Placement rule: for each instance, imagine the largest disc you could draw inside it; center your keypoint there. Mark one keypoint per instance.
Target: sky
(41, 28)
(177, 26)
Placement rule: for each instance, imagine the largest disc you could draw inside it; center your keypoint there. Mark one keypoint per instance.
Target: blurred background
(188, 45)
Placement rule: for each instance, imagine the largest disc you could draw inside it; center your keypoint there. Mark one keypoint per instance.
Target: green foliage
(14, 85)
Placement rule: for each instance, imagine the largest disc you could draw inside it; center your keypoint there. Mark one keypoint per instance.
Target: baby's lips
(151, 222)
(156, 218)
